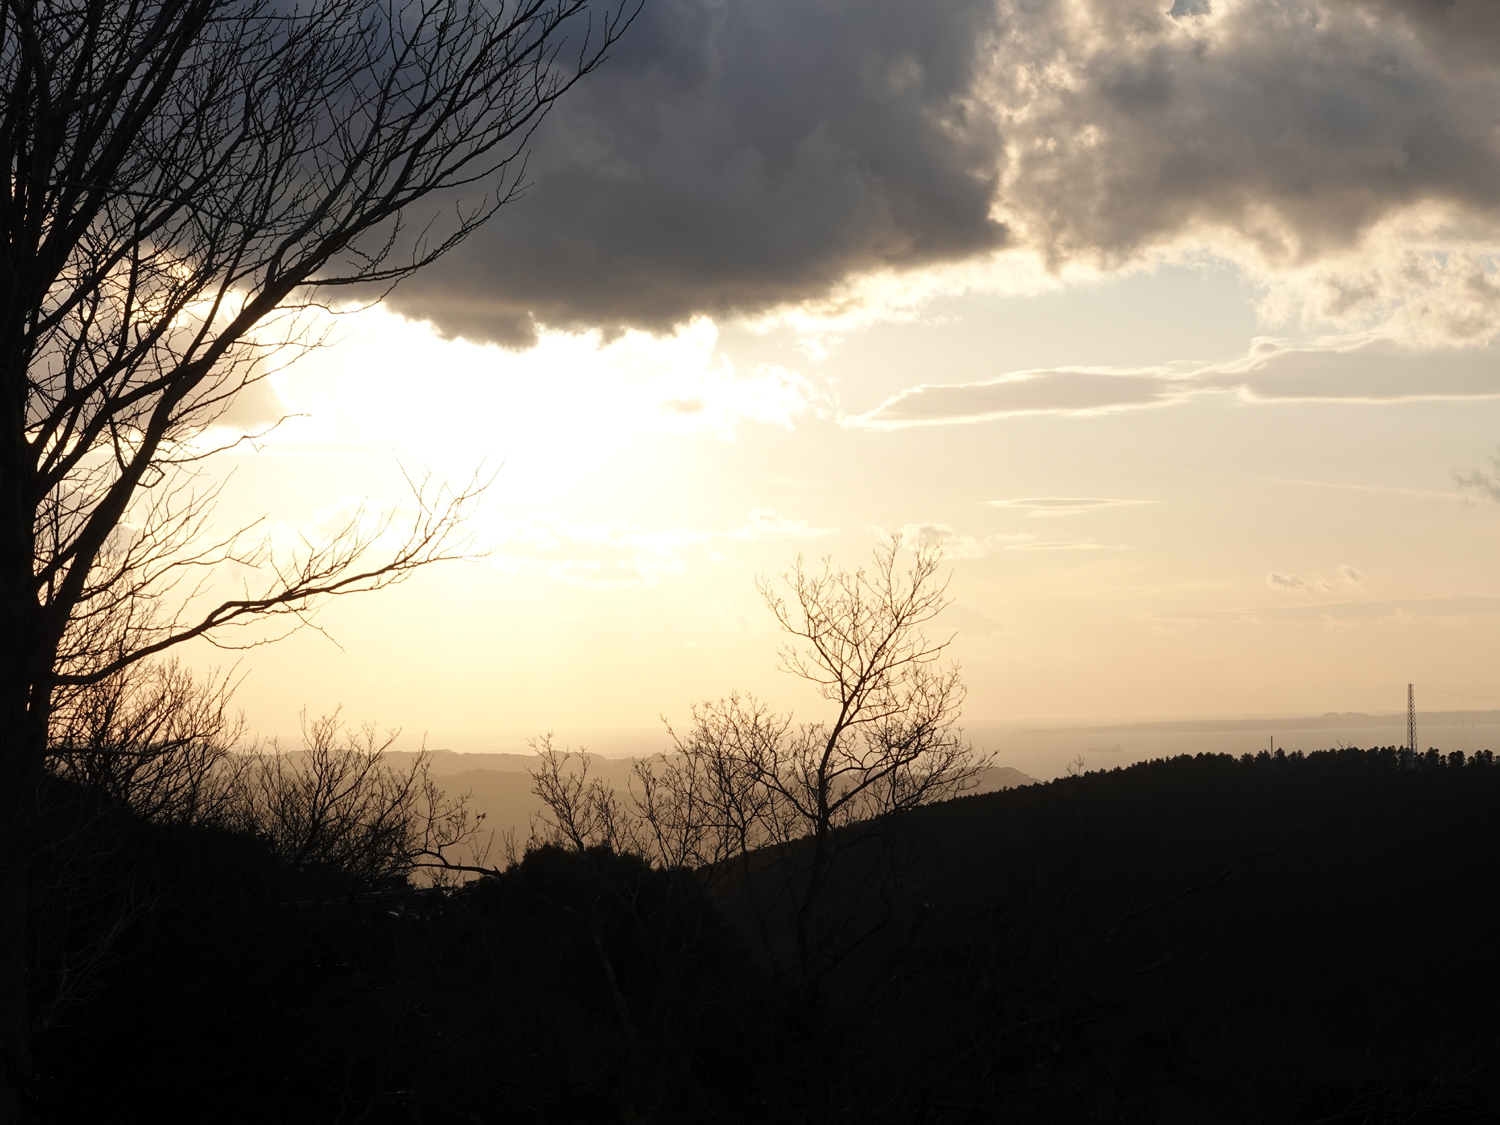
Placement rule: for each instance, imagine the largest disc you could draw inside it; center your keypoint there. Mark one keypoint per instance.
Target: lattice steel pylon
(1411, 721)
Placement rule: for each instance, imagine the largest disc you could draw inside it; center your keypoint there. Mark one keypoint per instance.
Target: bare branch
(809, 817)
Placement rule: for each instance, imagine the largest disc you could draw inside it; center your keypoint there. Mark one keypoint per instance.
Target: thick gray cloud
(1294, 122)
(1461, 32)
(734, 155)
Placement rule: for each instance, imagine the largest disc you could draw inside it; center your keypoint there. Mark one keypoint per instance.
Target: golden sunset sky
(1177, 329)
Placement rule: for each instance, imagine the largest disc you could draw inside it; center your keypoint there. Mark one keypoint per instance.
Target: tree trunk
(22, 752)
(23, 747)
(15, 1032)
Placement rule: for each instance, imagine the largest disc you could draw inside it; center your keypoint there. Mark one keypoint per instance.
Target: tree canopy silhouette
(185, 180)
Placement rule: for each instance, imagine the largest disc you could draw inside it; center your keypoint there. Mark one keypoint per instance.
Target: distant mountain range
(498, 785)
(1333, 720)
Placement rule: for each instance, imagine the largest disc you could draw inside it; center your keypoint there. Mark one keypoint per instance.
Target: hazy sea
(1045, 749)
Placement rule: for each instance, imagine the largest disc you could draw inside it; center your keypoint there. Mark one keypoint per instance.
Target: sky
(1176, 326)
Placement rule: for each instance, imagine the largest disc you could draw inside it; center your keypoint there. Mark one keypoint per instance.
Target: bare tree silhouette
(808, 818)
(155, 747)
(186, 179)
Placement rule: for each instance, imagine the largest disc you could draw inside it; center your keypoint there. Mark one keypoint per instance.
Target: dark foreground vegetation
(1299, 939)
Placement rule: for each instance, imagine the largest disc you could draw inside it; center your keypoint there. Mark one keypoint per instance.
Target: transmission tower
(1411, 723)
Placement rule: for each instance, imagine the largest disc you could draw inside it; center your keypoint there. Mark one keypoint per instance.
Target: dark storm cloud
(1460, 32)
(737, 154)
(734, 155)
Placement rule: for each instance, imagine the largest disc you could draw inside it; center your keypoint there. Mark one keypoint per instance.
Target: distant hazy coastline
(1043, 751)
(1332, 720)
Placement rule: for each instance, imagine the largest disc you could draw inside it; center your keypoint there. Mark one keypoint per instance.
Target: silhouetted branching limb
(190, 183)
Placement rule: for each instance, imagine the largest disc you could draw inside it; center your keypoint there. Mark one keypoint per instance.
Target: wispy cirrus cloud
(1063, 505)
(1366, 368)
(1385, 489)
(1071, 390)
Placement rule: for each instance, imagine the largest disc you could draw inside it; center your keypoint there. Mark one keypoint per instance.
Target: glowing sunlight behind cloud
(1148, 315)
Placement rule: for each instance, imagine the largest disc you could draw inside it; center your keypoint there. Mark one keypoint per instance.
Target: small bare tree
(337, 806)
(155, 739)
(807, 817)
(744, 778)
(151, 745)
(827, 799)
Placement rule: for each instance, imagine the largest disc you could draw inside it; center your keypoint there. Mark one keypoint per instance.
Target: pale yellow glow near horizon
(1220, 552)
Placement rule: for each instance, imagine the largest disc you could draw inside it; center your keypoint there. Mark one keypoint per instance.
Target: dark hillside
(1298, 939)
(1198, 940)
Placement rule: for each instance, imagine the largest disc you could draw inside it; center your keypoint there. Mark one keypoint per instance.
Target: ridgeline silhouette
(1288, 938)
